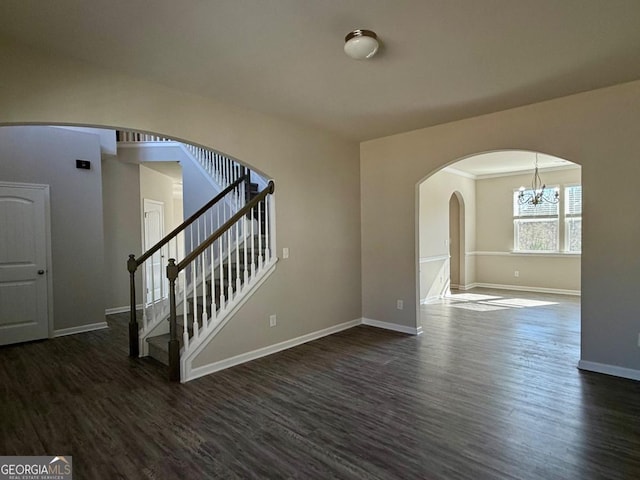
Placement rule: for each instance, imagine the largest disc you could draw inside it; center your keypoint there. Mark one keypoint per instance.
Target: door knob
(40, 272)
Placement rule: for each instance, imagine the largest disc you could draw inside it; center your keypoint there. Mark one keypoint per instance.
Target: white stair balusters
(245, 249)
(214, 308)
(185, 324)
(260, 258)
(236, 253)
(267, 228)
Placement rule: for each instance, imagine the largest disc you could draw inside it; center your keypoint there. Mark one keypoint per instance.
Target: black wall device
(83, 164)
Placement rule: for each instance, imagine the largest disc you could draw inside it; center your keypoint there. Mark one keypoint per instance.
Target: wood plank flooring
(489, 391)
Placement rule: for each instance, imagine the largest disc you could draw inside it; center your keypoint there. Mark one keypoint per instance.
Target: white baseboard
(229, 311)
(520, 288)
(114, 310)
(80, 329)
(392, 326)
(607, 369)
(198, 372)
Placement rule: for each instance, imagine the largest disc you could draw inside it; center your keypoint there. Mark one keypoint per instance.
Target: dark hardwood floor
(489, 391)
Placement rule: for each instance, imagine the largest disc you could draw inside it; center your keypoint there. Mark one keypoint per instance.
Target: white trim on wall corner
(525, 254)
(434, 258)
(607, 369)
(80, 329)
(198, 372)
(392, 326)
(521, 288)
(114, 310)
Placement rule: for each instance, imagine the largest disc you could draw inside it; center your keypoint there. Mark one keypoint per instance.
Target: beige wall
(316, 176)
(47, 156)
(599, 130)
(495, 261)
(122, 228)
(157, 187)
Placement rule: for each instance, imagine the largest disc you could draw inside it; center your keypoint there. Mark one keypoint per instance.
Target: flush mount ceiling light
(361, 44)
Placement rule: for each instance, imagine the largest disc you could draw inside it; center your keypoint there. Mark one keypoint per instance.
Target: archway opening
(456, 241)
(486, 251)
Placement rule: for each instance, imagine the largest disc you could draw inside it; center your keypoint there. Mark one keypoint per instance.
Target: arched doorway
(472, 221)
(456, 241)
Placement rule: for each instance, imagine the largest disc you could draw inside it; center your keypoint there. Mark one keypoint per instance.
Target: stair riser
(159, 354)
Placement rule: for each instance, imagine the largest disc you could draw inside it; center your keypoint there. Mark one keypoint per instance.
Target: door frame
(165, 282)
(48, 251)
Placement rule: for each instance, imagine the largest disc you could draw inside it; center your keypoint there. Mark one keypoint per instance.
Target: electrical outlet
(285, 252)
(516, 273)
(399, 304)
(272, 320)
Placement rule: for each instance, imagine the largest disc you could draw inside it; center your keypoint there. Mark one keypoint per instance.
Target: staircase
(217, 258)
(219, 291)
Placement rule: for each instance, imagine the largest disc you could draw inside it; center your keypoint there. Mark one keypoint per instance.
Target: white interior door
(23, 263)
(156, 282)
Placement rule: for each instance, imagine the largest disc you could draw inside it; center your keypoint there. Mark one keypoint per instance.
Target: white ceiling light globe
(361, 44)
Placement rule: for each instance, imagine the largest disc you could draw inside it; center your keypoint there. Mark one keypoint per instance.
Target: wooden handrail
(145, 256)
(174, 269)
(223, 228)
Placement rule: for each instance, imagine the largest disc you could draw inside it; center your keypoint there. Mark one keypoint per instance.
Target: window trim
(568, 216)
(556, 217)
(562, 240)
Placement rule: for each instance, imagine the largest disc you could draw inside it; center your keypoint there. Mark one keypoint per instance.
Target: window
(539, 228)
(573, 218)
(536, 228)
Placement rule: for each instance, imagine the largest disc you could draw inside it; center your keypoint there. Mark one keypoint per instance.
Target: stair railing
(179, 242)
(135, 137)
(248, 239)
(222, 169)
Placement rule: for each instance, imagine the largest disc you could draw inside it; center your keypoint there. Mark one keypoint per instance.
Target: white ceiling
(440, 60)
(507, 162)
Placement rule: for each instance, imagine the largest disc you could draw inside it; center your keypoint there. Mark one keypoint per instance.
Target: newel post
(134, 344)
(174, 345)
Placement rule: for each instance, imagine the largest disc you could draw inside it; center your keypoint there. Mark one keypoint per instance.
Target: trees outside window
(536, 228)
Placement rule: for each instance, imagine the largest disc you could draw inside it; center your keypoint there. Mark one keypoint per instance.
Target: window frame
(532, 218)
(570, 216)
(562, 218)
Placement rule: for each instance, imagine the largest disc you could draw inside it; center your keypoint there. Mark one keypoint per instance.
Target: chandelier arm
(538, 191)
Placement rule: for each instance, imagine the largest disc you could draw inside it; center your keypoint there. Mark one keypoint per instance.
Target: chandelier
(539, 193)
